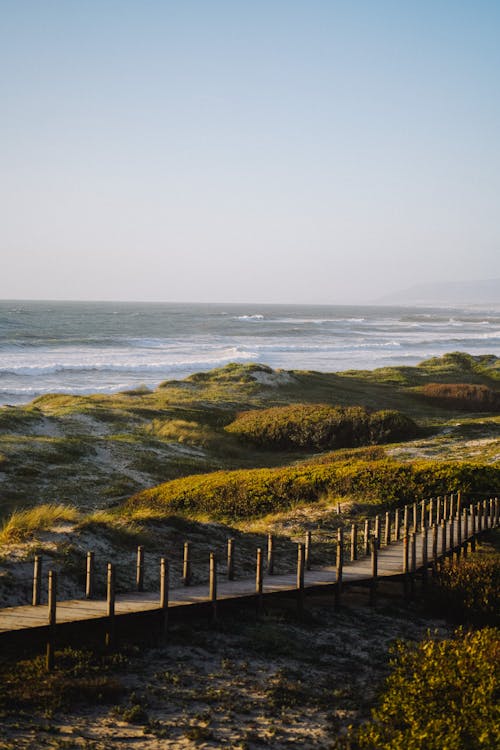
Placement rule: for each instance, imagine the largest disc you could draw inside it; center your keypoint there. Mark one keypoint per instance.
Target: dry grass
(23, 524)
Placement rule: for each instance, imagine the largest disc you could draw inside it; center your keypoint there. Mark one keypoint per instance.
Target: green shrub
(441, 695)
(462, 396)
(256, 492)
(319, 426)
(468, 591)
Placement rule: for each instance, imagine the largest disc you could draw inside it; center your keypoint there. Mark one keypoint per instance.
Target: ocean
(104, 347)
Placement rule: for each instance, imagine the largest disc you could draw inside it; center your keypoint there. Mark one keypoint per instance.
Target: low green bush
(250, 493)
(320, 426)
(441, 695)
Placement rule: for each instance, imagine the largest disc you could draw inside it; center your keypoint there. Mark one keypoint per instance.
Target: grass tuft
(23, 524)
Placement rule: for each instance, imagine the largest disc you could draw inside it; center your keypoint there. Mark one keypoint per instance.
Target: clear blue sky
(272, 151)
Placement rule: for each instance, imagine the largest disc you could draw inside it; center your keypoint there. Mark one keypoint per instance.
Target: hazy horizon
(276, 152)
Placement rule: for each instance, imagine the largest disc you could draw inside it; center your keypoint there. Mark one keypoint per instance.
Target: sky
(247, 150)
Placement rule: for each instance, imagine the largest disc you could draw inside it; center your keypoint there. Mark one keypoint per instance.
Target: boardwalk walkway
(402, 556)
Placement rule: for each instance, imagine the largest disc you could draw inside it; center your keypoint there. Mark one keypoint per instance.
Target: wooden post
(459, 535)
(434, 548)
(452, 505)
(479, 517)
(452, 537)
(300, 578)
(465, 515)
(423, 515)
(405, 564)
(415, 518)
(459, 504)
(354, 542)
(485, 515)
(387, 529)
(397, 524)
(213, 585)
(445, 507)
(186, 564)
(259, 580)
(307, 551)
(443, 541)
(37, 580)
(377, 530)
(406, 517)
(431, 512)
(438, 510)
(340, 566)
(366, 537)
(230, 559)
(373, 582)
(140, 568)
(497, 512)
(474, 528)
(52, 603)
(89, 576)
(164, 586)
(424, 555)
(270, 555)
(110, 601)
(413, 561)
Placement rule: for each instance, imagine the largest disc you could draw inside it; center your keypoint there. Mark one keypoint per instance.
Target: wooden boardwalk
(405, 556)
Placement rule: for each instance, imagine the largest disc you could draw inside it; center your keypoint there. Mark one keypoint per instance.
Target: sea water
(92, 347)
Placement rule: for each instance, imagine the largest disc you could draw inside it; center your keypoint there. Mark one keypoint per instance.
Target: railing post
(373, 583)
(52, 604)
(270, 555)
(307, 551)
(459, 504)
(438, 510)
(452, 536)
(164, 586)
(397, 524)
(354, 542)
(443, 541)
(465, 516)
(212, 585)
(37, 581)
(405, 564)
(474, 528)
(423, 514)
(339, 566)
(431, 512)
(413, 564)
(140, 568)
(230, 559)
(259, 580)
(186, 564)
(406, 518)
(445, 508)
(366, 537)
(497, 512)
(434, 547)
(459, 535)
(110, 602)
(89, 576)
(424, 555)
(300, 578)
(377, 530)
(452, 505)
(415, 518)
(387, 529)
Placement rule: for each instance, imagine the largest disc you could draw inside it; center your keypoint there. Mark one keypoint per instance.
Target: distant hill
(485, 292)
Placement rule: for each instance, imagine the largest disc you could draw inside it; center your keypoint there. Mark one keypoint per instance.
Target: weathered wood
(270, 555)
(497, 512)
(415, 517)
(376, 531)
(397, 524)
(459, 504)
(452, 536)
(431, 513)
(366, 537)
(110, 605)
(374, 576)
(439, 510)
(405, 553)
(452, 505)
(230, 559)
(354, 542)
(443, 540)
(387, 529)
(37, 581)
(307, 551)
(473, 529)
(339, 566)
(300, 577)
(445, 507)
(186, 564)
(89, 576)
(424, 554)
(434, 547)
(164, 589)
(51, 618)
(212, 584)
(406, 517)
(140, 568)
(423, 514)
